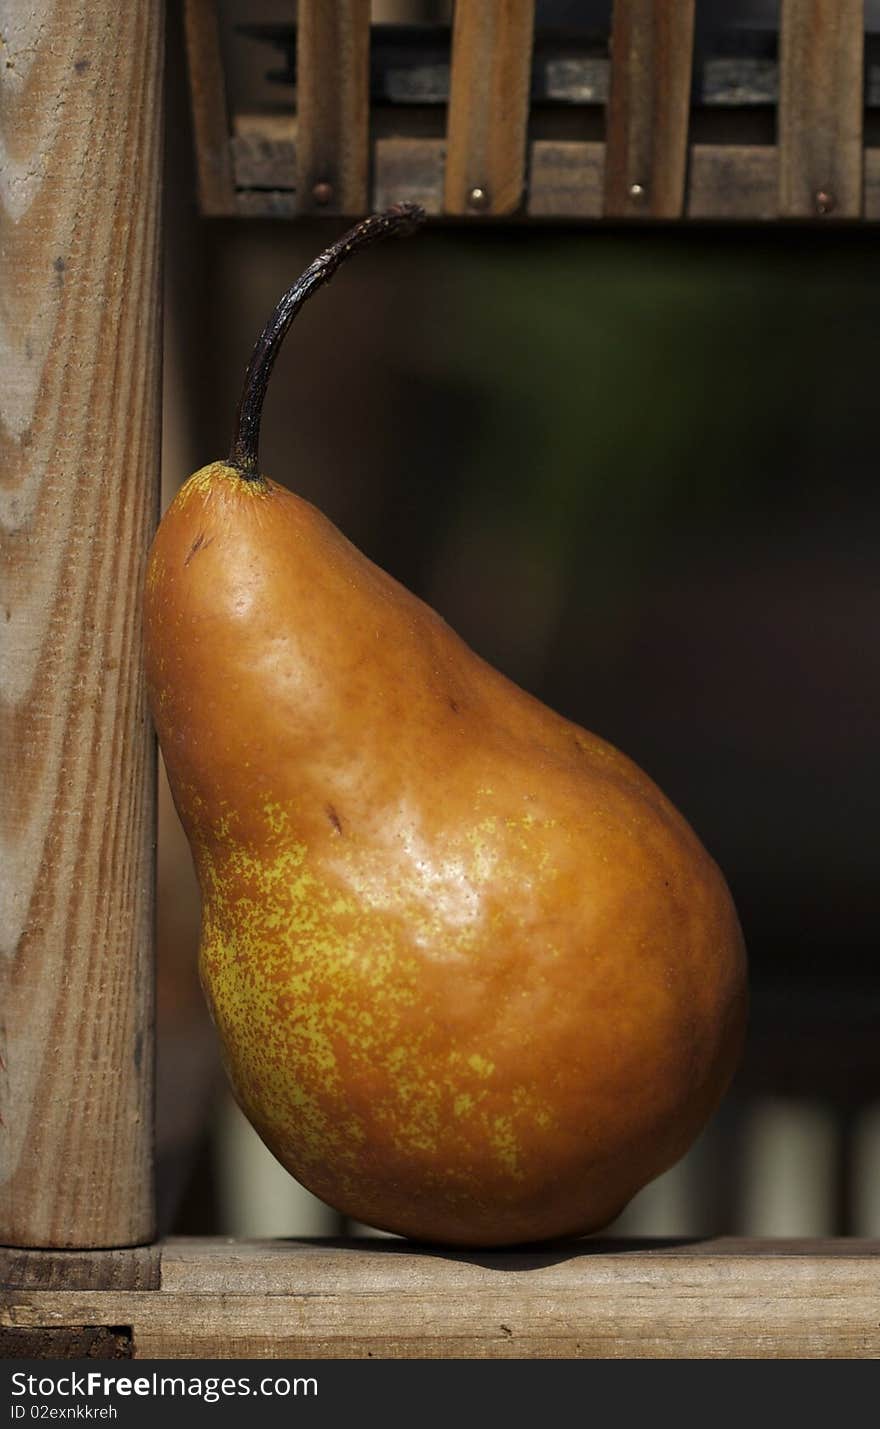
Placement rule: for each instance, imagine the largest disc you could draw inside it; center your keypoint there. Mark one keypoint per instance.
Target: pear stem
(245, 451)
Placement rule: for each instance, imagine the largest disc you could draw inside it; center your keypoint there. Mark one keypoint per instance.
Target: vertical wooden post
(652, 44)
(207, 87)
(333, 106)
(821, 108)
(80, 357)
(488, 106)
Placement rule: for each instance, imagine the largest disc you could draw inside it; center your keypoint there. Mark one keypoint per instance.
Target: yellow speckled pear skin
(476, 981)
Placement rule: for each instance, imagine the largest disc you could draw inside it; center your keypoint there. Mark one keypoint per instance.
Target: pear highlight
(476, 981)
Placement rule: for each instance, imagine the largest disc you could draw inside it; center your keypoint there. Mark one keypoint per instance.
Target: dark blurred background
(636, 470)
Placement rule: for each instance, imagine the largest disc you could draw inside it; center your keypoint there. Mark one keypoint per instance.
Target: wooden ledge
(389, 1299)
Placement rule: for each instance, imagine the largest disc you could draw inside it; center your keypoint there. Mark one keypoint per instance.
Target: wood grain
(566, 179)
(265, 157)
(408, 171)
(588, 1299)
(820, 108)
(732, 182)
(136, 1268)
(872, 185)
(79, 390)
(725, 182)
(73, 1342)
(488, 106)
(207, 87)
(648, 108)
(333, 105)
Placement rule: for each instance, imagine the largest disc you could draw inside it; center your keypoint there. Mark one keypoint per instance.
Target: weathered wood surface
(587, 1299)
(207, 85)
(872, 185)
(730, 182)
(333, 105)
(566, 179)
(410, 170)
(73, 1342)
(725, 182)
(135, 1268)
(488, 106)
(264, 151)
(819, 171)
(821, 100)
(648, 108)
(80, 351)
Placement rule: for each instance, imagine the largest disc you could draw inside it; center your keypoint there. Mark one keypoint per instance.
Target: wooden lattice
(497, 119)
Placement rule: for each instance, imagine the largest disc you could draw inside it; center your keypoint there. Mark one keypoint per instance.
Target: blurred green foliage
(627, 380)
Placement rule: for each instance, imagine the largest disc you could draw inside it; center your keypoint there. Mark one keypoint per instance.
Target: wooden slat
(648, 107)
(390, 1299)
(488, 106)
(725, 182)
(266, 157)
(732, 183)
(133, 1269)
(207, 86)
(408, 170)
(872, 185)
(566, 179)
(71, 1342)
(333, 106)
(820, 108)
(210, 1265)
(79, 388)
(267, 203)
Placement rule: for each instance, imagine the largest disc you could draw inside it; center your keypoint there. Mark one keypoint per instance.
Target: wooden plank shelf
(587, 1299)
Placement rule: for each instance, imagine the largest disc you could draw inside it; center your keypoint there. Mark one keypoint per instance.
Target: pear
(476, 981)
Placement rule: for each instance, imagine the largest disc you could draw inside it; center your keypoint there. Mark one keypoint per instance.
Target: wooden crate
(497, 120)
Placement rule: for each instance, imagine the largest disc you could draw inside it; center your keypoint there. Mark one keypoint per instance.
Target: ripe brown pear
(476, 981)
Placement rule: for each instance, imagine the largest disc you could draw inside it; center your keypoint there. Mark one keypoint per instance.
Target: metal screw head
(322, 192)
(637, 192)
(478, 198)
(824, 201)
